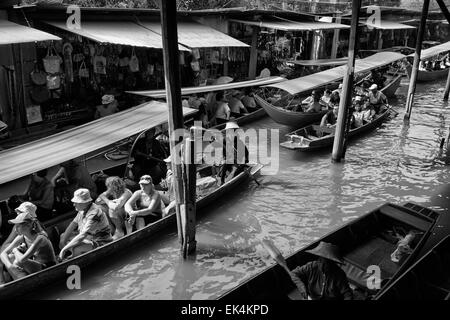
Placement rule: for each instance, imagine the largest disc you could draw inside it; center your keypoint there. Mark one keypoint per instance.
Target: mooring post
(415, 68)
(347, 88)
(173, 94)
(447, 87)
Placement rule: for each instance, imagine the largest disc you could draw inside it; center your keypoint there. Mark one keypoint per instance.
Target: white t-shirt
(223, 110)
(235, 105)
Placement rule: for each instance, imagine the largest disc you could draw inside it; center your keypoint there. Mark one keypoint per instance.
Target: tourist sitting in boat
(330, 118)
(148, 154)
(339, 89)
(40, 192)
(236, 106)
(92, 225)
(109, 106)
(325, 99)
(377, 98)
(358, 115)
(71, 176)
(323, 279)
(249, 99)
(235, 154)
(222, 111)
(315, 105)
(194, 101)
(335, 99)
(363, 89)
(30, 251)
(114, 198)
(168, 193)
(377, 78)
(368, 112)
(144, 206)
(202, 116)
(310, 99)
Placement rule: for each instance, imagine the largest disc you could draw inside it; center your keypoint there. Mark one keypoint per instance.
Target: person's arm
(323, 122)
(4, 255)
(59, 174)
(154, 202)
(31, 250)
(131, 201)
(384, 98)
(63, 239)
(227, 111)
(299, 276)
(78, 239)
(120, 202)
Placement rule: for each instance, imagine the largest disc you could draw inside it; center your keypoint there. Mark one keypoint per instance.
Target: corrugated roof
(197, 35)
(47, 152)
(116, 32)
(11, 32)
(322, 78)
(293, 25)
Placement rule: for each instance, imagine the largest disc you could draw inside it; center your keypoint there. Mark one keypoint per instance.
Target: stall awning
(47, 152)
(322, 78)
(433, 51)
(197, 35)
(11, 32)
(389, 25)
(161, 94)
(293, 25)
(116, 32)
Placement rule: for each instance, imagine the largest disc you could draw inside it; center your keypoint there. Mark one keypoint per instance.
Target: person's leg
(118, 224)
(140, 223)
(84, 247)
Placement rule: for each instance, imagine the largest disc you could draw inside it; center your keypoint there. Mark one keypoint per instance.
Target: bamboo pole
(415, 69)
(447, 87)
(338, 144)
(173, 94)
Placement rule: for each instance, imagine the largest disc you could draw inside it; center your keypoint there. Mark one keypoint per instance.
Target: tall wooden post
(447, 87)
(415, 69)
(444, 9)
(335, 42)
(338, 144)
(253, 54)
(173, 96)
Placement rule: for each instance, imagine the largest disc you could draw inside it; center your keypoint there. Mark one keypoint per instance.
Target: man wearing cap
(376, 98)
(323, 278)
(92, 225)
(109, 106)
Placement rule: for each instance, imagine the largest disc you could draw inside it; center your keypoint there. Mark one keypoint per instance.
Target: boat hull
(426, 76)
(253, 116)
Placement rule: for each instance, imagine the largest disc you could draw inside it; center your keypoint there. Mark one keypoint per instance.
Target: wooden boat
(58, 225)
(364, 242)
(254, 115)
(306, 84)
(314, 137)
(426, 76)
(390, 89)
(426, 279)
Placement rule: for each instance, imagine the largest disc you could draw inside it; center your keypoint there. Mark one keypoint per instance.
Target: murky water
(308, 198)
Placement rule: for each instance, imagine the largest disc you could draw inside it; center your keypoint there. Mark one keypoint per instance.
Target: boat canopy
(389, 25)
(31, 157)
(11, 32)
(289, 25)
(322, 78)
(433, 51)
(320, 62)
(161, 94)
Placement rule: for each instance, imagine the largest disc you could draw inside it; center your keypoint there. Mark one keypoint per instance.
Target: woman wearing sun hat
(108, 107)
(92, 224)
(144, 206)
(323, 278)
(30, 251)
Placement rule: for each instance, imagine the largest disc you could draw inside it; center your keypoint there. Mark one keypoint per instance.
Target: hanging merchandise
(53, 81)
(52, 61)
(78, 57)
(99, 63)
(38, 77)
(34, 114)
(83, 72)
(195, 66)
(68, 65)
(123, 62)
(134, 62)
(196, 53)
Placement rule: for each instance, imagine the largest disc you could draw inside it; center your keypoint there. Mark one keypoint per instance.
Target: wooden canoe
(426, 279)
(244, 119)
(364, 242)
(426, 76)
(390, 89)
(34, 281)
(306, 138)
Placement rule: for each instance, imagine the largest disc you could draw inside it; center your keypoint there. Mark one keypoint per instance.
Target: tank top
(44, 253)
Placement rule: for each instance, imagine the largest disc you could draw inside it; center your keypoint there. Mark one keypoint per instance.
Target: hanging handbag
(134, 62)
(83, 72)
(123, 62)
(39, 94)
(53, 81)
(196, 53)
(99, 64)
(38, 77)
(52, 62)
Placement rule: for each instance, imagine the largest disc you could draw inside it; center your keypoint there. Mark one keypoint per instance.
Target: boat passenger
(335, 99)
(235, 153)
(202, 116)
(31, 250)
(222, 114)
(41, 193)
(368, 112)
(323, 279)
(325, 99)
(144, 206)
(310, 99)
(248, 99)
(194, 101)
(339, 89)
(358, 115)
(377, 78)
(236, 105)
(315, 105)
(376, 98)
(330, 118)
(109, 106)
(168, 194)
(114, 198)
(92, 225)
(363, 90)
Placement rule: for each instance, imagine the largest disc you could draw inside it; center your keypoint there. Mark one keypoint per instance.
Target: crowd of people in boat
(104, 214)
(440, 62)
(215, 108)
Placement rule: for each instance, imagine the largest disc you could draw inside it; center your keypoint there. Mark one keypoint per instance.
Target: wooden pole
(338, 144)
(335, 42)
(447, 87)
(415, 68)
(444, 9)
(173, 96)
(253, 54)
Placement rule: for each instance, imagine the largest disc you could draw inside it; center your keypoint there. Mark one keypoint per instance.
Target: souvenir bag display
(83, 72)
(134, 62)
(52, 61)
(38, 77)
(53, 81)
(99, 64)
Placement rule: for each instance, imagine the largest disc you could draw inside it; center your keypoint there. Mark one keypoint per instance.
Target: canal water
(307, 198)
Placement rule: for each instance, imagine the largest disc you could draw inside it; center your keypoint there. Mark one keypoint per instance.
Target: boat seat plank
(411, 220)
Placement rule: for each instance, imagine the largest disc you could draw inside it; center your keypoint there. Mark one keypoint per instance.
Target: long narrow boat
(365, 242)
(308, 83)
(314, 137)
(427, 279)
(34, 281)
